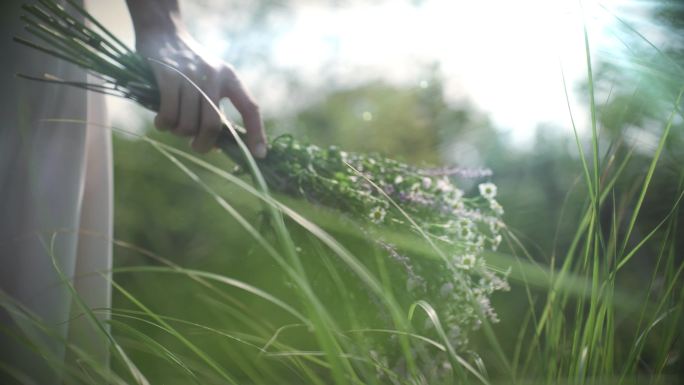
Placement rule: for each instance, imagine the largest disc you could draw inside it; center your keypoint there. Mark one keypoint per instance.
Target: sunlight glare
(504, 56)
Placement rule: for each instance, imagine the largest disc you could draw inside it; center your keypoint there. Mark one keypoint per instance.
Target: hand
(183, 110)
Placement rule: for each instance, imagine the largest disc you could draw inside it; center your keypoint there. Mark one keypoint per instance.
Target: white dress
(55, 203)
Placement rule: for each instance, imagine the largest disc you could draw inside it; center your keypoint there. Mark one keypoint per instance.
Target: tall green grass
(333, 314)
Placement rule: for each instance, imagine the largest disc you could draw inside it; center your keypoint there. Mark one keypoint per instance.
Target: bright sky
(505, 56)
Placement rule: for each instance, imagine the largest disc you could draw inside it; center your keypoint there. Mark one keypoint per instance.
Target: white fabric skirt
(55, 201)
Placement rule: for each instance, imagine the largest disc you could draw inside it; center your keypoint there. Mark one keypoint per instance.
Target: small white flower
(427, 182)
(311, 149)
(444, 185)
(467, 262)
(377, 214)
(398, 179)
(493, 282)
(455, 201)
(456, 206)
(495, 226)
(465, 222)
(496, 241)
(487, 190)
(487, 309)
(474, 249)
(496, 207)
(466, 229)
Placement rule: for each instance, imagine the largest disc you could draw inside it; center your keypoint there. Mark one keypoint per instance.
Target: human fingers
(233, 89)
(169, 98)
(210, 121)
(188, 110)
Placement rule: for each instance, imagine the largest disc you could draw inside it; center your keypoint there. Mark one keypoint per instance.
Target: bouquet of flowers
(369, 187)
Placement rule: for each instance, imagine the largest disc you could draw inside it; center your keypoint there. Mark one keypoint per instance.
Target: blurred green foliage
(160, 209)
(541, 187)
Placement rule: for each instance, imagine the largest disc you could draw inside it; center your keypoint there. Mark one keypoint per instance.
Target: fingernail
(260, 150)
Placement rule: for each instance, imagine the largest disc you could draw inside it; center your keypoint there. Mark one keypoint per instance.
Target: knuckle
(214, 127)
(251, 106)
(210, 112)
(228, 73)
(159, 124)
(185, 129)
(163, 121)
(168, 97)
(197, 146)
(205, 67)
(197, 73)
(210, 127)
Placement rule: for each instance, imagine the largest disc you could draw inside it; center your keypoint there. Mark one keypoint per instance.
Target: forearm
(154, 16)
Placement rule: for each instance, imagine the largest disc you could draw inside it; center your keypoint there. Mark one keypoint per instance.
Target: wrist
(152, 27)
(152, 21)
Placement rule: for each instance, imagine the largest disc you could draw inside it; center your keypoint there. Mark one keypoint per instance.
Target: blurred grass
(547, 284)
(555, 285)
(594, 250)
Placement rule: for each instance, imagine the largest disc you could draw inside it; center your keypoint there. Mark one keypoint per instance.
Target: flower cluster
(388, 193)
